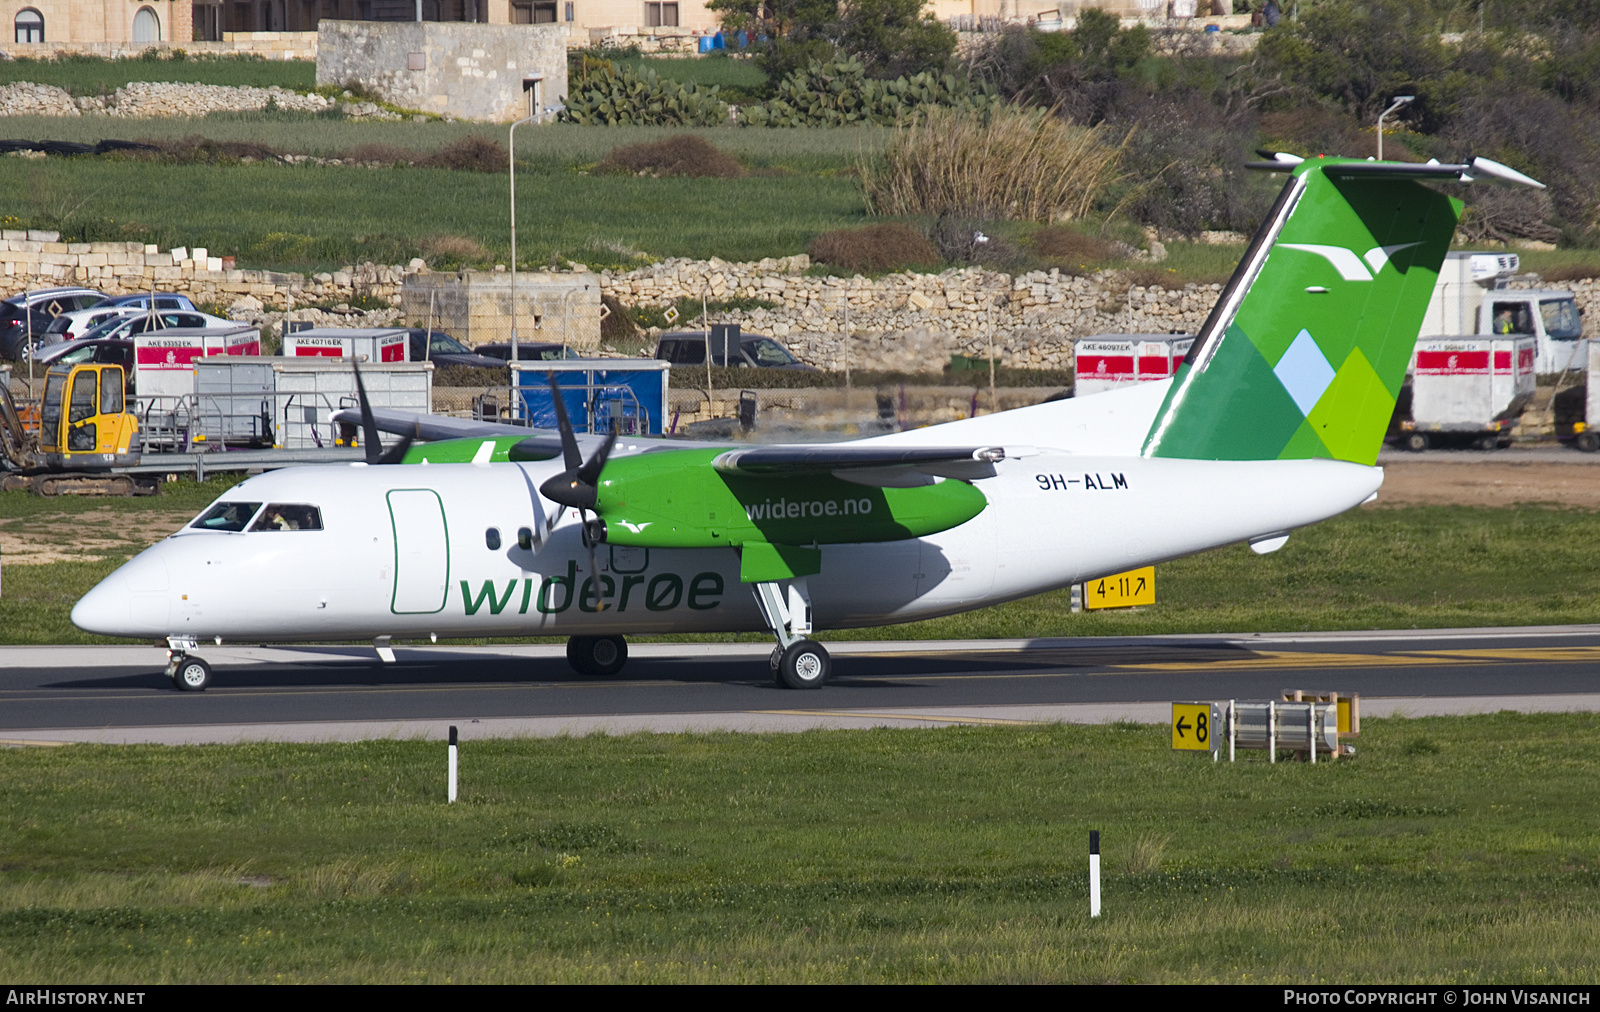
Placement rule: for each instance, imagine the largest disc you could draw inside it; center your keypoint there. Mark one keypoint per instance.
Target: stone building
(494, 73)
(41, 25)
(581, 16)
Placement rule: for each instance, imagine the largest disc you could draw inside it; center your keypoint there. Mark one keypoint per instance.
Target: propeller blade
(570, 454)
(589, 473)
(369, 428)
(396, 454)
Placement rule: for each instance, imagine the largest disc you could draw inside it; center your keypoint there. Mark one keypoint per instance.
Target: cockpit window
(288, 517)
(227, 516)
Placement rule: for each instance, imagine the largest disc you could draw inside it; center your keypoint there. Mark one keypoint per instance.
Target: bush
(1014, 164)
(840, 93)
(874, 249)
(452, 251)
(1571, 272)
(684, 155)
(611, 97)
(472, 154)
(1070, 249)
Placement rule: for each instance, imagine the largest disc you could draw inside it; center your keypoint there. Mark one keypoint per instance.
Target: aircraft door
(421, 552)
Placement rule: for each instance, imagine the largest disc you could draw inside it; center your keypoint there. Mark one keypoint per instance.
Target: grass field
(317, 218)
(1449, 850)
(1373, 568)
(92, 76)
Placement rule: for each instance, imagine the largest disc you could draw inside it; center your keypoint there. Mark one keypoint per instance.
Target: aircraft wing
(428, 427)
(887, 466)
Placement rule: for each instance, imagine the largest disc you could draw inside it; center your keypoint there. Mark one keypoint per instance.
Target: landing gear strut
(797, 662)
(597, 655)
(188, 673)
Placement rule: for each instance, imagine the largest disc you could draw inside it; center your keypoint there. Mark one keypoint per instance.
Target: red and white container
(1107, 361)
(163, 360)
(1472, 383)
(362, 344)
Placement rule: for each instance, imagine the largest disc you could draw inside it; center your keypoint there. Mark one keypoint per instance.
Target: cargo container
(1107, 361)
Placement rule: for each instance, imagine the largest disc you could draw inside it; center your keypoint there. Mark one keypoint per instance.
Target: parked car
(141, 300)
(73, 325)
(529, 351)
(33, 312)
(756, 350)
(107, 351)
(442, 349)
(142, 323)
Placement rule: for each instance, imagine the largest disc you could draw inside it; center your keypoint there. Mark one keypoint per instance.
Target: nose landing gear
(188, 673)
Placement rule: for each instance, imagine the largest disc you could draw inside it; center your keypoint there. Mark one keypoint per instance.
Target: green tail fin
(1306, 350)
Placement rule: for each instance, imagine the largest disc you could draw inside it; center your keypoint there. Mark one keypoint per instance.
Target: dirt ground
(84, 537)
(1477, 479)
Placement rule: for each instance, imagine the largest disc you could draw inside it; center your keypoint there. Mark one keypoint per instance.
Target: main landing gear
(597, 655)
(797, 662)
(188, 673)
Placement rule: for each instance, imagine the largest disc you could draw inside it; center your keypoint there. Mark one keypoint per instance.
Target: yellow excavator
(84, 433)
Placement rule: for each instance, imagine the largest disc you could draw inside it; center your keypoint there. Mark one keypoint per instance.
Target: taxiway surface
(118, 694)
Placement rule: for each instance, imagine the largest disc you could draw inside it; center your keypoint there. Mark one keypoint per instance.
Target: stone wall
(917, 321)
(475, 306)
(151, 98)
(911, 322)
(267, 45)
(471, 71)
(34, 259)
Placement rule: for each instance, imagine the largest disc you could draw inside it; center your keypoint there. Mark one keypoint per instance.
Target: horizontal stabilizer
(1471, 171)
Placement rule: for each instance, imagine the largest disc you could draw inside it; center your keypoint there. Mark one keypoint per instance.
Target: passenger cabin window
(226, 516)
(288, 517)
(491, 539)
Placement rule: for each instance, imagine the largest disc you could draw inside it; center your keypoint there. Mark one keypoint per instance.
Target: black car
(43, 306)
(440, 348)
(689, 348)
(529, 351)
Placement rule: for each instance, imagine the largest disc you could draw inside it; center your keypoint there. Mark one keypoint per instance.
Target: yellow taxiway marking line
(899, 716)
(1300, 659)
(1578, 653)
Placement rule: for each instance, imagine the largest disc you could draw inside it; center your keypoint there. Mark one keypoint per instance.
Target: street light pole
(511, 144)
(1399, 100)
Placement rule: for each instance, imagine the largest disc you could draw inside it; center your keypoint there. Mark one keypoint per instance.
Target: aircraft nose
(133, 601)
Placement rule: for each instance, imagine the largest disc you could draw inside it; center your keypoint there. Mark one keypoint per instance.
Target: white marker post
(1094, 873)
(452, 788)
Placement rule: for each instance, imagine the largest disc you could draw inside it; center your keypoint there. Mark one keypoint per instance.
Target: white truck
(1471, 298)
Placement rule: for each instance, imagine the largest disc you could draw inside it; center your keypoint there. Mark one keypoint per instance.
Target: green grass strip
(1449, 850)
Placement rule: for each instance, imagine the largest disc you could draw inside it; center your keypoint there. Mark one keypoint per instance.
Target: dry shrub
(683, 155)
(452, 249)
(1016, 163)
(195, 149)
(1571, 272)
(874, 249)
(470, 154)
(381, 154)
(1067, 247)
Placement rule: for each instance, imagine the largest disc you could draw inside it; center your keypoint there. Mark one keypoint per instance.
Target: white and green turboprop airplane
(1273, 422)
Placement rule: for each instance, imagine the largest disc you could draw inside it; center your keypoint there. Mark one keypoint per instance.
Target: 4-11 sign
(1123, 590)
(1195, 726)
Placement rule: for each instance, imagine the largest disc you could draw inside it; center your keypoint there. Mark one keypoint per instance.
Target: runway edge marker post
(453, 765)
(1094, 873)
